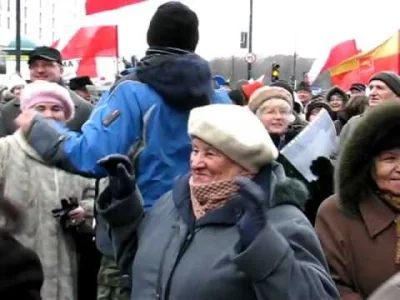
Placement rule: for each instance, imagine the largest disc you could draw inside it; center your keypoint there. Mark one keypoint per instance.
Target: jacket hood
(183, 81)
(353, 175)
(336, 90)
(28, 149)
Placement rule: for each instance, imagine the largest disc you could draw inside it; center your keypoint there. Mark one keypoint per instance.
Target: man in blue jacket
(144, 115)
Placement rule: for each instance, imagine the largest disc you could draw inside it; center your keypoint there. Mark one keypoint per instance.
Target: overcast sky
(280, 26)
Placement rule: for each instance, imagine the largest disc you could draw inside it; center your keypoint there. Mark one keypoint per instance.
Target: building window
(8, 23)
(53, 23)
(25, 29)
(25, 12)
(8, 5)
(40, 19)
(53, 9)
(40, 33)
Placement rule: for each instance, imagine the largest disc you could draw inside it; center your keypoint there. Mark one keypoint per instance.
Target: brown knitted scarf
(207, 197)
(394, 202)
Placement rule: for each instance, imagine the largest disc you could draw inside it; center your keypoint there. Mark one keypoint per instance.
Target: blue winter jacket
(144, 116)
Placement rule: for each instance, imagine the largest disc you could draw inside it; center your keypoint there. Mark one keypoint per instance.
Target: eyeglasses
(276, 111)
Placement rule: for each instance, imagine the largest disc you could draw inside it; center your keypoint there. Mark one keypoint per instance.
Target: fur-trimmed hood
(336, 90)
(353, 175)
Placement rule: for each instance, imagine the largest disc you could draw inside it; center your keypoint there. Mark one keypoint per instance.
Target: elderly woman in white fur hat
(274, 107)
(38, 189)
(231, 229)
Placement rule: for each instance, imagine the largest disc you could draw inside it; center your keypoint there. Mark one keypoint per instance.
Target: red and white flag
(92, 49)
(97, 6)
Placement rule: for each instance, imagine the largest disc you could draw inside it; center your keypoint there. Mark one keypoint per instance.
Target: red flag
(96, 6)
(360, 68)
(331, 59)
(340, 53)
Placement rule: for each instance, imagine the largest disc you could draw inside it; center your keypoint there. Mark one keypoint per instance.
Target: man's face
(380, 92)
(41, 69)
(304, 96)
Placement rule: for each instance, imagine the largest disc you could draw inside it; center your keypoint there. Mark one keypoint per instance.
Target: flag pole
(117, 54)
(18, 37)
(249, 65)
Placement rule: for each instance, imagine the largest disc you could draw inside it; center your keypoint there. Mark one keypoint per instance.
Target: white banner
(317, 139)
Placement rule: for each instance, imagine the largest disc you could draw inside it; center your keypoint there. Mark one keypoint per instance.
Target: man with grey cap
(383, 86)
(45, 63)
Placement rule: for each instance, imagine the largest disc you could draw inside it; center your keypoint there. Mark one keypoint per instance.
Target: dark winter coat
(176, 258)
(11, 110)
(356, 228)
(21, 274)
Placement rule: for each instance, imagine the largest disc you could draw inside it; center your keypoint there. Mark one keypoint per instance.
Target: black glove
(322, 167)
(120, 174)
(62, 213)
(253, 219)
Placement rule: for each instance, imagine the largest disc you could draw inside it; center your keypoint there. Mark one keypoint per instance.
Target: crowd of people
(174, 186)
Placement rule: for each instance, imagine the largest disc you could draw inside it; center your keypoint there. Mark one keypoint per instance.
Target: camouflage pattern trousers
(109, 282)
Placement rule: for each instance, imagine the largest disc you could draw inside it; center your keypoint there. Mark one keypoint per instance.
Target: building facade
(42, 21)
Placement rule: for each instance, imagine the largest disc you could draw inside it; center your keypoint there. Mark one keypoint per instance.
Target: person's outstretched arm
(113, 127)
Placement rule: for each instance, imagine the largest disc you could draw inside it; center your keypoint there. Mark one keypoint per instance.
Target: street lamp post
(249, 64)
(294, 69)
(18, 37)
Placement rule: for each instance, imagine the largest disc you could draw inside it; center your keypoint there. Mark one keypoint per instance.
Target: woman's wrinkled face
(275, 115)
(50, 111)
(210, 165)
(336, 103)
(387, 171)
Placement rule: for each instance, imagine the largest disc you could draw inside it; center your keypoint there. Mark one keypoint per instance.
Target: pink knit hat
(47, 92)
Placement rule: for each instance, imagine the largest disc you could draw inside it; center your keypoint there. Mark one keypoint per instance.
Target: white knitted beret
(268, 93)
(234, 131)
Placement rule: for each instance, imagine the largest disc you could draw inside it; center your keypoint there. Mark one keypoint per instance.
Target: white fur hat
(234, 131)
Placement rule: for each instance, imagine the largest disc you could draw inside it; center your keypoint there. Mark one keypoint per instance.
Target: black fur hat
(318, 104)
(353, 172)
(174, 25)
(78, 83)
(336, 90)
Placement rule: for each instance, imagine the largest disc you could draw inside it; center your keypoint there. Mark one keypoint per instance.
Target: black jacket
(21, 274)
